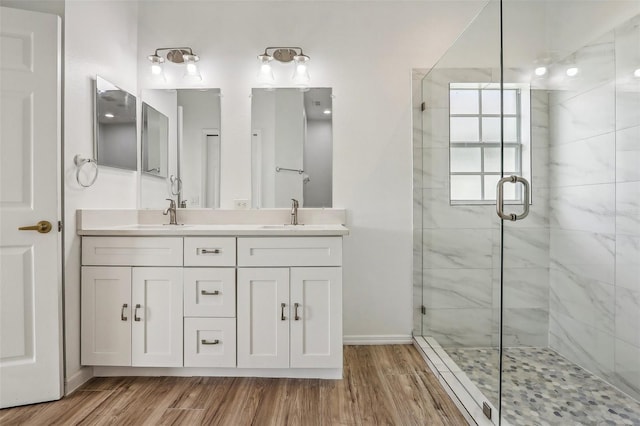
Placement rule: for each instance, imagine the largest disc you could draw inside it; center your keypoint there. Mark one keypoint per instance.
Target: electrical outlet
(241, 204)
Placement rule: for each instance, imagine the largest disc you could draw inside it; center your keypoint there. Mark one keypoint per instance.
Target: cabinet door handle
(209, 293)
(135, 313)
(206, 342)
(122, 317)
(282, 317)
(296, 317)
(209, 251)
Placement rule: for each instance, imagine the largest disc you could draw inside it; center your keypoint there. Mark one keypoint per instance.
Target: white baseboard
(77, 379)
(384, 339)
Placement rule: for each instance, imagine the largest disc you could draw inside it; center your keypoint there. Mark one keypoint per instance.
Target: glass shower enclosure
(527, 213)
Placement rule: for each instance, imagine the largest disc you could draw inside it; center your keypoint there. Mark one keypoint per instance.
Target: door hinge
(423, 310)
(486, 410)
(423, 106)
(59, 226)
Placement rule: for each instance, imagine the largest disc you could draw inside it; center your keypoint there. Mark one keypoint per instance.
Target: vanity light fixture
(300, 75)
(327, 111)
(109, 115)
(177, 55)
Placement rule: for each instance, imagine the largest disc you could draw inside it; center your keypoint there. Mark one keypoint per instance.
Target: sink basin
(156, 227)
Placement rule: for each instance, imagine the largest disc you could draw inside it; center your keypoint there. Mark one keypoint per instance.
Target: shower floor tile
(543, 388)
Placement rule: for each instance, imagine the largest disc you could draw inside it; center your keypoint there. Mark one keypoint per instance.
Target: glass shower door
(570, 267)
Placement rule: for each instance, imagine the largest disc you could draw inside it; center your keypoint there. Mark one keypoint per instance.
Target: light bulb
(636, 73)
(301, 76)
(572, 72)
(191, 72)
(540, 71)
(326, 111)
(156, 69)
(265, 73)
(109, 115)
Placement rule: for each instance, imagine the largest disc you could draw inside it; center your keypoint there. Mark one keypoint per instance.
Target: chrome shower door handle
(500, 198)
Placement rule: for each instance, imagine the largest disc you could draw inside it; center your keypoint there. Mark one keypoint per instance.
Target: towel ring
(176, 182)
(80, 163)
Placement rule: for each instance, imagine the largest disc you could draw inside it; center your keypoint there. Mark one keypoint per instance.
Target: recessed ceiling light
(572, 72)
(540, 71)
(109, 115)
(327, 111)
(636, 73)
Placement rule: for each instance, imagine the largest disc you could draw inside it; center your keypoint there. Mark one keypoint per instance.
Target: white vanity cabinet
(290, 302)
(132, 310)
(212, 303)
(209, 302)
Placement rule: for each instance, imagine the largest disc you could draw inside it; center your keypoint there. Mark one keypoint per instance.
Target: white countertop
(160, 230)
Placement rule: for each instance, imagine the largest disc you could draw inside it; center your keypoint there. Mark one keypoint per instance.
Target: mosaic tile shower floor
(543, 388)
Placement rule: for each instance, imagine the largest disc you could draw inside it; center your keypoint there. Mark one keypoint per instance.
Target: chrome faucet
(294, 211)
(171, 211)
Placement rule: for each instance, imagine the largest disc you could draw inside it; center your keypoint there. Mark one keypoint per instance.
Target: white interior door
(30, 280)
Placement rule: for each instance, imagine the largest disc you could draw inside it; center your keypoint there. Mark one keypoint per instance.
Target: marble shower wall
(460, 244)
(595, 211)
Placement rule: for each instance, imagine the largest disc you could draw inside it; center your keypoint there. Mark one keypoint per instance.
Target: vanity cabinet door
(316, 317)
(156, 311)
(263, 317)
(106, 316)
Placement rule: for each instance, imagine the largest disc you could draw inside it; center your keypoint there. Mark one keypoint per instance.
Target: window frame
(521, 145)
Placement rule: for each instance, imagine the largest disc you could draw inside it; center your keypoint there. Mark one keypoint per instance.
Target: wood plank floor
(382, 385)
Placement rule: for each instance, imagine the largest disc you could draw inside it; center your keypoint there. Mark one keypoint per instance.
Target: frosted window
(491, 129)
(492, 159)
(464, 129)
(477, 131)
(465, 187)
(490, 183)
(465, 160)
(510, 160)
(464, 102)
(491, 101)
(510, 102)
(510, 129)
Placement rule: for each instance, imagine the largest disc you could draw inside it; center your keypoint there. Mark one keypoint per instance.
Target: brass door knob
(42, 227)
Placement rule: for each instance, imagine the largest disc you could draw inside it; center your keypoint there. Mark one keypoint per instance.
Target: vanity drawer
(132, 251)
(209, 342)
(290, 251)
(209, 292)
(209, 251)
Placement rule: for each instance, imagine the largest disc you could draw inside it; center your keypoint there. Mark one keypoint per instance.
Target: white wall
(363, 50)
(100, 39)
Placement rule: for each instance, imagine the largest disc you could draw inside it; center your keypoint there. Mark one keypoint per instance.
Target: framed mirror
(291, 147)
(194, 147)
(115, 132)
(155, 141)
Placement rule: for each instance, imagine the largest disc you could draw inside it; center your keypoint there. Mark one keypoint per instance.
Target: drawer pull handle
(209, 251)
(209, 293)
(135, 313)
(206, 342)
(296, 317)
(282, 317)
(122, 317)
